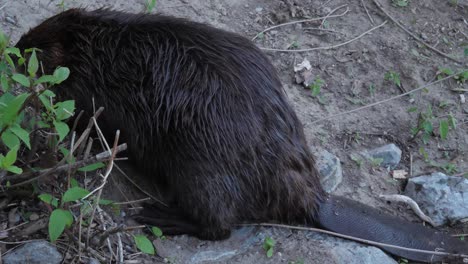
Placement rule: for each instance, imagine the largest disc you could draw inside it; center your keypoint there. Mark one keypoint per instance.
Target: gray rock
(390, 155)
(331, 173)
(443, 198)
(344, 251)
(37, 252)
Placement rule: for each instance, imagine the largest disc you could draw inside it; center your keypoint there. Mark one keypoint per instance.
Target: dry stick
(369, 242)
(78, 143)
(413, 35)
(135, 201)
(367, 12)
(411, 203)
(328, 47)
(90, 125)
(460, 174)
(386, 100)
(297, 22)
(329, 14)
(69, 156)
(112, 152)
(120, 249)
(97, 158)
(116, 230)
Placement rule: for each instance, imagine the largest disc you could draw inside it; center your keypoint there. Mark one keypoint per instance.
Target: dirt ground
(353, 74)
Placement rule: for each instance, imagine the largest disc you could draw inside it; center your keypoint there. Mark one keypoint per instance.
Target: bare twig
(110, 165)
(120, 252)
(369, 242)
(135, 201)
(367, 12)
(331, 13)
(299, 21)
(116, 230)
(327, 47)
(411, 203)
(386, 100)
(32, 176)
(413, 35)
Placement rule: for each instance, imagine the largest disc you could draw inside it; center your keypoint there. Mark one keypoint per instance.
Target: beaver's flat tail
(351, 218)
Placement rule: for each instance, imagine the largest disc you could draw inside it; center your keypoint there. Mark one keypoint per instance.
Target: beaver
(205, 116)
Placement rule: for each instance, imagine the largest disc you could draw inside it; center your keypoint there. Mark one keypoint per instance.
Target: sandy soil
(353, 74)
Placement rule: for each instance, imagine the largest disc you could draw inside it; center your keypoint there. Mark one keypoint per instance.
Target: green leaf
(74, 182)
(46, 198)
(412, 109)
(21, 133)
(10, 157)
(46, 102)
(13, 108)
(62, 129)
(64, 109)
(3, 40)
(443, 128)
(446, 71)
(144, 244)
(465, 51)
(14, 169)
(74, 194)
(45, 79)
(452, 121)
(10, 140)
(156, 231)
(269, 252)
(21, 79)
(59, 219)
(4, 83)
(13, 50)
(105, 202)
(9, 60)
(33, 64)
(150, 4)
(61, 74)
(427, 126)
(92, 167)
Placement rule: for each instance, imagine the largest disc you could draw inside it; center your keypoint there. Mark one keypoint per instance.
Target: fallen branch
(365, 241)
(33, 176)
(411, 203)
(298, 22)
(413, 35)
(328, 47)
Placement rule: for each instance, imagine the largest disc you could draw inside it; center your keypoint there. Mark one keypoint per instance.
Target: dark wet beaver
(204, 114)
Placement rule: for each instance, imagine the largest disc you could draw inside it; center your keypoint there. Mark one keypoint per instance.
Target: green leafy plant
(61, 218)
(316, 86)
(157, 232)
(375, 162)
(359, 161)
(400, 3)
(144, 244)
(268, 246)
(372, 89)
(14, 130)
(393, 77)
(150, 5)
(424, 125)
